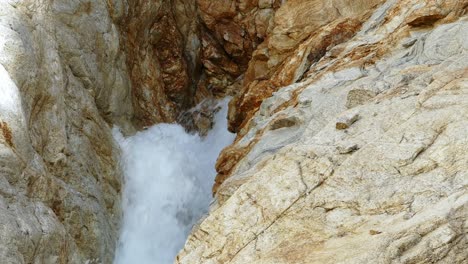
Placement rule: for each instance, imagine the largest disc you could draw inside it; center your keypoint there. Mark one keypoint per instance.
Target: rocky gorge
(350, 117)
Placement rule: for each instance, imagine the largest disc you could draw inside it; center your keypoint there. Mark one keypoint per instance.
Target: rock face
(63, 81)
(162, 48)
(181, 52)
(351, 118)
(360, 153)
(231, 31)
(70, 70)
(301, 34)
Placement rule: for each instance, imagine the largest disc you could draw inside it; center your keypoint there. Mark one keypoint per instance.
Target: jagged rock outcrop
(360, 154)
(231, 31)
(63, 82)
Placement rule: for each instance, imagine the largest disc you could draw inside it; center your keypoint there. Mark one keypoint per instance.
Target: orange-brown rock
(219, 70)
(434, 11)
(225, 164)
(232, 31)
(176, 48)
(302, 32)
(162, 46)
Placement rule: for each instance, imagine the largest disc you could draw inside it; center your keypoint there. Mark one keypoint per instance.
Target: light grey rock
(63, 82)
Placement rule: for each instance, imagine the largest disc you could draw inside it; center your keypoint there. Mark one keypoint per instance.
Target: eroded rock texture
(70, 70)
(182, 52)
(302, 32)
(63, 79)
(231, 31)
(162, 47)
(360, 153)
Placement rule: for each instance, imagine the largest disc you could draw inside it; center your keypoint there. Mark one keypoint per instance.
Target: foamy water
(168, 179)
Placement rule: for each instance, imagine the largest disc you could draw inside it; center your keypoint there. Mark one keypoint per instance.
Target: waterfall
(168, 179)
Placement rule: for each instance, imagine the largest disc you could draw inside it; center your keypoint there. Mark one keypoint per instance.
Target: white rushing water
(168, 178)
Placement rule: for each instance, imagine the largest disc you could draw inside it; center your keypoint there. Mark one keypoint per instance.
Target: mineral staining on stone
(388, 187)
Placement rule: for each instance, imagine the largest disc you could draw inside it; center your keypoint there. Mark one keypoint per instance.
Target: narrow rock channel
(350, 116)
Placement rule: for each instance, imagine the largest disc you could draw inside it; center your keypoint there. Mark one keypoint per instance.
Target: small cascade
(168, 178)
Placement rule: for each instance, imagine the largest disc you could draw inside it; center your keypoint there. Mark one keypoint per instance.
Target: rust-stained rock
(346, 120)
(425, 20)
(389, 188)
(175, 48)
(302, 33)
(226, 163)
(235, 29)
(160, 39)
(6, 132)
